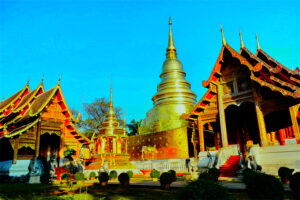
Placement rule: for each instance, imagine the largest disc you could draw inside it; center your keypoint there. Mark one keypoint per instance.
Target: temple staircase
(230, 167)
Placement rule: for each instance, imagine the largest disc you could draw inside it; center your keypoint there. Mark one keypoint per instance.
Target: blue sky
(88, 41)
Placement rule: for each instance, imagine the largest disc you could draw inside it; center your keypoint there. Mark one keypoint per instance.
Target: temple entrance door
(49, 143)
(241, 123)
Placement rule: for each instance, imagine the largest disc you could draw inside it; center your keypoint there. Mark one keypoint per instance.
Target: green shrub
(123, 177)
(65, 176)
(173, 173)
(263, 186)
(165, 178)
(295, 184)
(154, 173)
(206, 177)
(113, 174)
(79, 176)
(206, 190)
(92, 175)
(103, 177)
(130, 173)
(215, 173)
(285, 173)
(248, 175)
(69, 152)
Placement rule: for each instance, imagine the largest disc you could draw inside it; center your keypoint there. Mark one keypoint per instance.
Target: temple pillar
(126, 146)
(293, 113)
(16, 148)
(37, 140)
(201, 135)
(114, 145)
(260, 121)
(62, 143)
(195, 150)
(103, 145)
(222, 116)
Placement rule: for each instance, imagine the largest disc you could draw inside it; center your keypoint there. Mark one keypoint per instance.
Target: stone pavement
(229, 185)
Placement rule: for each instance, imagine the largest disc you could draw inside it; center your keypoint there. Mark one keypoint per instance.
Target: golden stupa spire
(171, 50)
(242, 43)
(223, 37)
(258, 47)
(124, 127)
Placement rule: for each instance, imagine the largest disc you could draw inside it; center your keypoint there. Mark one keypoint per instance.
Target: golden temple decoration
(258, 47)
(173, 98)
(242, 43)
(223, 37)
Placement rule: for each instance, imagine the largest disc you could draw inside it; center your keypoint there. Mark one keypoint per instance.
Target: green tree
(134, 127)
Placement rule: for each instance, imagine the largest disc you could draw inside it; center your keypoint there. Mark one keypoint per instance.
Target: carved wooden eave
(21, 129)
(10, 103)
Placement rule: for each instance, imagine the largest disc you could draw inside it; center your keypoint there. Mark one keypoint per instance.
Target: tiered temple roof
(24, 109)
(264, 70)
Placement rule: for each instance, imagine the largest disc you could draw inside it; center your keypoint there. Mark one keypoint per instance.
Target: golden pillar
(201, 135)
(222, 116)
(260, 121)
(37, 141)
(16, 147)
(293, 113)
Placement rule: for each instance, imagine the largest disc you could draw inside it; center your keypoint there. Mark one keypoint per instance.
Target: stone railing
(224, 154)
(163, 165)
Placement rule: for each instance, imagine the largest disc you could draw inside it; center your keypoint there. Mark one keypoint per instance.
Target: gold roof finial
(124, 128)
(171, 50)
(28, 81)
(242, 43)
(223, 37)
(258, 47)
(42, 78)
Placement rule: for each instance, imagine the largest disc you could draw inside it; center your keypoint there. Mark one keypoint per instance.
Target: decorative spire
(111, 99)
(124, 128)
(223, 37)
(28, 81)
(42, 78)
(242, 43)
(258, 47)
(59, 79)
(171, 50)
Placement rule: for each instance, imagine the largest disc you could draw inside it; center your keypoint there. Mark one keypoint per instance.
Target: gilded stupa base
(171, 144)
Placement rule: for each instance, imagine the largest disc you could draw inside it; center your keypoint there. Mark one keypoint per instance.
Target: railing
(224, 154)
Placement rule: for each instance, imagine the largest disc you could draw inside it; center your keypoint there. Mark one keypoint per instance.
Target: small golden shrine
(111, 143)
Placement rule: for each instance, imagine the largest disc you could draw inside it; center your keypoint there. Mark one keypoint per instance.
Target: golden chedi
(173, 98)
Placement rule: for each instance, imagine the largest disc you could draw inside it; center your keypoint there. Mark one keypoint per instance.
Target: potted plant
(130, 173)
(113, 175)
(215, 173)
(285, 174)
(165, 180)
(92, 175)
(65, 177)
(103, 178)
(124, 179)
(79, 177)
(155, 174)
(173, 173)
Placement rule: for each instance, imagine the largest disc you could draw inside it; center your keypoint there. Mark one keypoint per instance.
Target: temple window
(228, 88)
(243, 84)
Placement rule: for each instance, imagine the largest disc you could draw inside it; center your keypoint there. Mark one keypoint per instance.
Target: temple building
(164, 134)
(110, 143)
(250, 99)
(35, 125)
